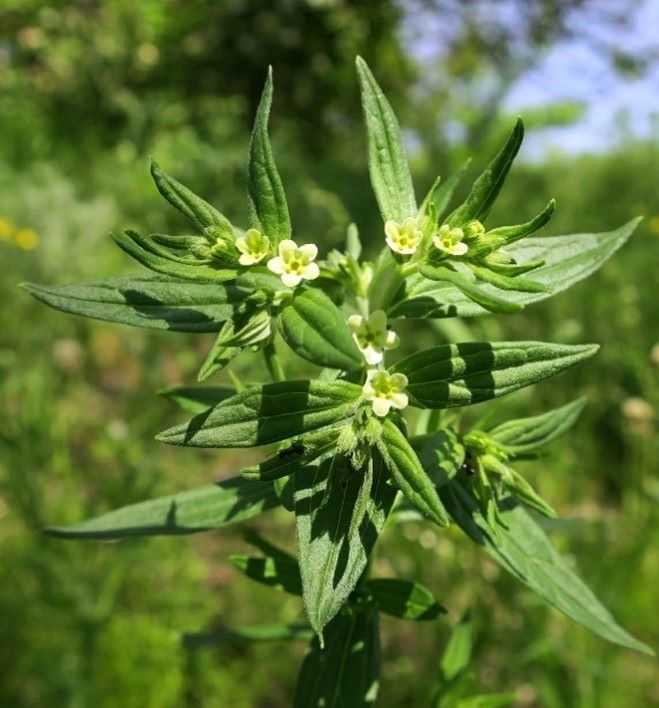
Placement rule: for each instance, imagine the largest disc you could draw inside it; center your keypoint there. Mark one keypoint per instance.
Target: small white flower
(450, 241)
(294, 263)
(403, 238)
(372, 336)
(385, 391)
(253, 246)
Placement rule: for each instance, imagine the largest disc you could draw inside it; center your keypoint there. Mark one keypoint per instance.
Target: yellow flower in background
(6, 229)
(26, 239)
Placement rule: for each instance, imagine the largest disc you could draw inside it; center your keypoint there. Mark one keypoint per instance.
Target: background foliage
(87, 91)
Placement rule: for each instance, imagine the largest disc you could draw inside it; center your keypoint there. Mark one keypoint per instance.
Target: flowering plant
(349, 456)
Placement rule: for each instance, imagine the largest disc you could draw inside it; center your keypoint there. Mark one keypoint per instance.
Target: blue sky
(573, 70)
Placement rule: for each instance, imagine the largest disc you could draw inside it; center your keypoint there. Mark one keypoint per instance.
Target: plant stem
(272, 361)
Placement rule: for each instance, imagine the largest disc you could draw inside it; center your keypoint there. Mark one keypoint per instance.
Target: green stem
(273, 362)
(410, 268)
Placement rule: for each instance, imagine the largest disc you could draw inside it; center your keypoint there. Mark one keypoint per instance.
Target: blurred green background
(90, 89)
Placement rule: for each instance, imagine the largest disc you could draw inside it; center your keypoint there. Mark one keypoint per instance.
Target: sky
(616, 106)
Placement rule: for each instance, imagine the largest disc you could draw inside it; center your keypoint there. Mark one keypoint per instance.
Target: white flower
(294, 263)
(385, 391)
(253, 246)
(450, 241)
(372, 336)
(403, 238)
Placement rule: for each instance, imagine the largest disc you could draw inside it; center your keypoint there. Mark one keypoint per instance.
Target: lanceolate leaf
(408, 474)
(387, 162)
(315, 329)
(568, 259)
(144, 252)
(155, 302)
(442, 192)
(275, 571)
(296, 455)
(339, 514)
(460, 374)
(254, 633)
(487, 187)
(196, 399)
(200, 212)
(387, 281)
(522, 548)
(457, 654)
(266, 414)
(404, 599)
(267, 198)
(526, 435)
(201, 509)
(346, 673)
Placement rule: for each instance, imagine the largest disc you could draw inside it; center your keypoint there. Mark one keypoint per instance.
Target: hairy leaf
(200, 212)
(408, 474)
(254, 633)
(522, 548)
(525, 435)
(457, 654)
(487, 187)
(201, 509)
(346, 673)
(266, 414)
(387, 281)
(196, 399)
(154, 302)
(568, 259)
(142, 250)
(267, 198)
(387, 162)
(295, 455)
(315, 329)
(461, 374)
(404, 599)
(339, 513)
(275, 571)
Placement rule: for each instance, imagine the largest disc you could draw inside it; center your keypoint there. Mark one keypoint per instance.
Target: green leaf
(441, 193)
(568, 259)
(154, 302)
(143, 251)
(267, 199)
(315, 329)
(353, 242)
(200, 212)
(196, 399)
(487, 187)
(202, 509)
(461, 374)
(522, 547)
(266, 414)
(254, 633)
(387, 281)
(275, 571)
(486, 299)
(387, 162)
(408, 474)
(295, 455)
(404, 599)
(339, 513)
(525, 435)
(505, 235)
(490, 700)
(457, 654)
(345, 674)
(441, 453)
(507, 282)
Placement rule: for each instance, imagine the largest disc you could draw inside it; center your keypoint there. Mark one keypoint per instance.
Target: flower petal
(391, 229)
(291, 279)
(276, 265)
(372, 355)
(399, 381)
(399, 401)
(392, 340)
(247, 259)
(311, 272)
(241, 245)
(309, 251)
(355, 322)
(378, 320)
(459, 249)
(287, 247)
(381, 406)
